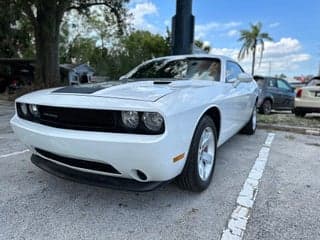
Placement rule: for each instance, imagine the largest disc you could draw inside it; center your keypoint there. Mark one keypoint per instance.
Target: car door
(287, 94)
(239, 101)
(274, 92)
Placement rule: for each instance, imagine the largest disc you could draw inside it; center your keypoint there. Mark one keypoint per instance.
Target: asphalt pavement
(37, 205)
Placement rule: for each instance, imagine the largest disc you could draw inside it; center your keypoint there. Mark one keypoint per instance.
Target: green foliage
(142, 45)
(97, 36)
(250, 40)
(45, 16)
(132, 50)
(16, 33)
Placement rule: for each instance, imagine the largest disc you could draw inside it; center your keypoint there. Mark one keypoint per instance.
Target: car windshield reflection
(181, 69)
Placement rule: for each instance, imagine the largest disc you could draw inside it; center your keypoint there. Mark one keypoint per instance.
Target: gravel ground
(37, 205)
(287, 206)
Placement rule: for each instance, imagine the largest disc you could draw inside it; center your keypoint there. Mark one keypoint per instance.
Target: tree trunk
(253, 59)
(47, 44)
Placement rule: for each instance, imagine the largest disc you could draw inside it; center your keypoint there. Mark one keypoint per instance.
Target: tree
(15, 32)
(46, 17)
(251, 39)
(140, 46)
(200, 44)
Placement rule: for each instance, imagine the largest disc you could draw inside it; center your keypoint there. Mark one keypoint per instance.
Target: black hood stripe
(77, 89)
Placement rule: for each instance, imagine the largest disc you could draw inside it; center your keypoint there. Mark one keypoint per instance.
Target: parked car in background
(4, 82)
(160, 122)
(297, 84)
(308, 98)
(275, 93)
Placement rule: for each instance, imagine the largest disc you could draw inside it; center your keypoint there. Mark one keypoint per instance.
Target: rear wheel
(266, 107)
(198, 170)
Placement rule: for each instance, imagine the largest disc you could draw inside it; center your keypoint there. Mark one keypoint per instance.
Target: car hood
(142, 90)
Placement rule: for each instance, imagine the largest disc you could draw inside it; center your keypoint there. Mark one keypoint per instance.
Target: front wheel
(251, 125)
(198, 170)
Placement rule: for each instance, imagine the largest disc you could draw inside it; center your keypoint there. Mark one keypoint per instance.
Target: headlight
(130, 119)
(153, 121)
(34, 110)
(24, 109)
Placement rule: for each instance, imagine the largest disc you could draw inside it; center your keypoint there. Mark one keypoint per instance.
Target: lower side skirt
(94, 179)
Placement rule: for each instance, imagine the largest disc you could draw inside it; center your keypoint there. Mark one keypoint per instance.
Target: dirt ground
(289, 119)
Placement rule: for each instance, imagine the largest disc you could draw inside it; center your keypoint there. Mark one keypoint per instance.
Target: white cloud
(203, 30)
(206, 44)
(282, 47)
(232, 33)
(230, 52)
(140, 11)
(274, 25)
(284, 56)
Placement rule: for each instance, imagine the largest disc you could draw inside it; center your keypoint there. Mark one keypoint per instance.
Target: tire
(251, 126)
(266, 107)
(197, 172)
(299, 113)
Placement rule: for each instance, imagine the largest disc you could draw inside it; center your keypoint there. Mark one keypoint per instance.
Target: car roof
(177, 57)
(267, 77)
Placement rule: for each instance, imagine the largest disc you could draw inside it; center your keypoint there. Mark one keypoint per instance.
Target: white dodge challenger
(162, 121)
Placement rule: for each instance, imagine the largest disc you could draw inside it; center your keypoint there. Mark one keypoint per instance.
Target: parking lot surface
(37, 205)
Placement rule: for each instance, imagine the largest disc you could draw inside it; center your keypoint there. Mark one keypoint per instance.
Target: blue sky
(294, 26)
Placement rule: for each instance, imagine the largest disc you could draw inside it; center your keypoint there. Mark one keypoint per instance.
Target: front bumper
(151, 154)
(93, 179)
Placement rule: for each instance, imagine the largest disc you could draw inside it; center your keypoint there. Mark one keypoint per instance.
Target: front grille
(101, 167)
(85, 119)
(77, 119)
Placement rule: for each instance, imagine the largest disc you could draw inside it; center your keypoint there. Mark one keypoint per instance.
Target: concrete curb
(286, 128)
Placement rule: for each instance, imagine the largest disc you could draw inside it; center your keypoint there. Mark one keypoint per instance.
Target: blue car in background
(274, 93)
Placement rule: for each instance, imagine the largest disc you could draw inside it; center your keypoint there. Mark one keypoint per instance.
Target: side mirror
(244, 77)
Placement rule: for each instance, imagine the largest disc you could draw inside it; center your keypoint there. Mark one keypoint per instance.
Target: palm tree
(251, 39)
(201, 45)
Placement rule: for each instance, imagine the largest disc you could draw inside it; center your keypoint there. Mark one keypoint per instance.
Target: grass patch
(289, 119)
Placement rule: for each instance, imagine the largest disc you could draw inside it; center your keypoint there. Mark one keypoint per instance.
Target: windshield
(314, 82)
(188, 68)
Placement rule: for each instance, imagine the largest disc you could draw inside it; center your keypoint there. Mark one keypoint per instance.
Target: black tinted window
(188, 68)
(272, 83)
(283, 85)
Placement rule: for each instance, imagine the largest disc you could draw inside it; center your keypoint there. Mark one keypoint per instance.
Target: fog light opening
(139, 175)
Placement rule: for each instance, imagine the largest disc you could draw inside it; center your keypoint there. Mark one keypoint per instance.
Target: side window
(232, 70)
(283, 85)
(272, 83)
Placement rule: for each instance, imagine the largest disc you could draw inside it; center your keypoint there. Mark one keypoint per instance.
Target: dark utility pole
(183, 28)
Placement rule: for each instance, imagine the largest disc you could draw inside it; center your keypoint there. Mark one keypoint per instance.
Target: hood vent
(161, 82)
(78, 89)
